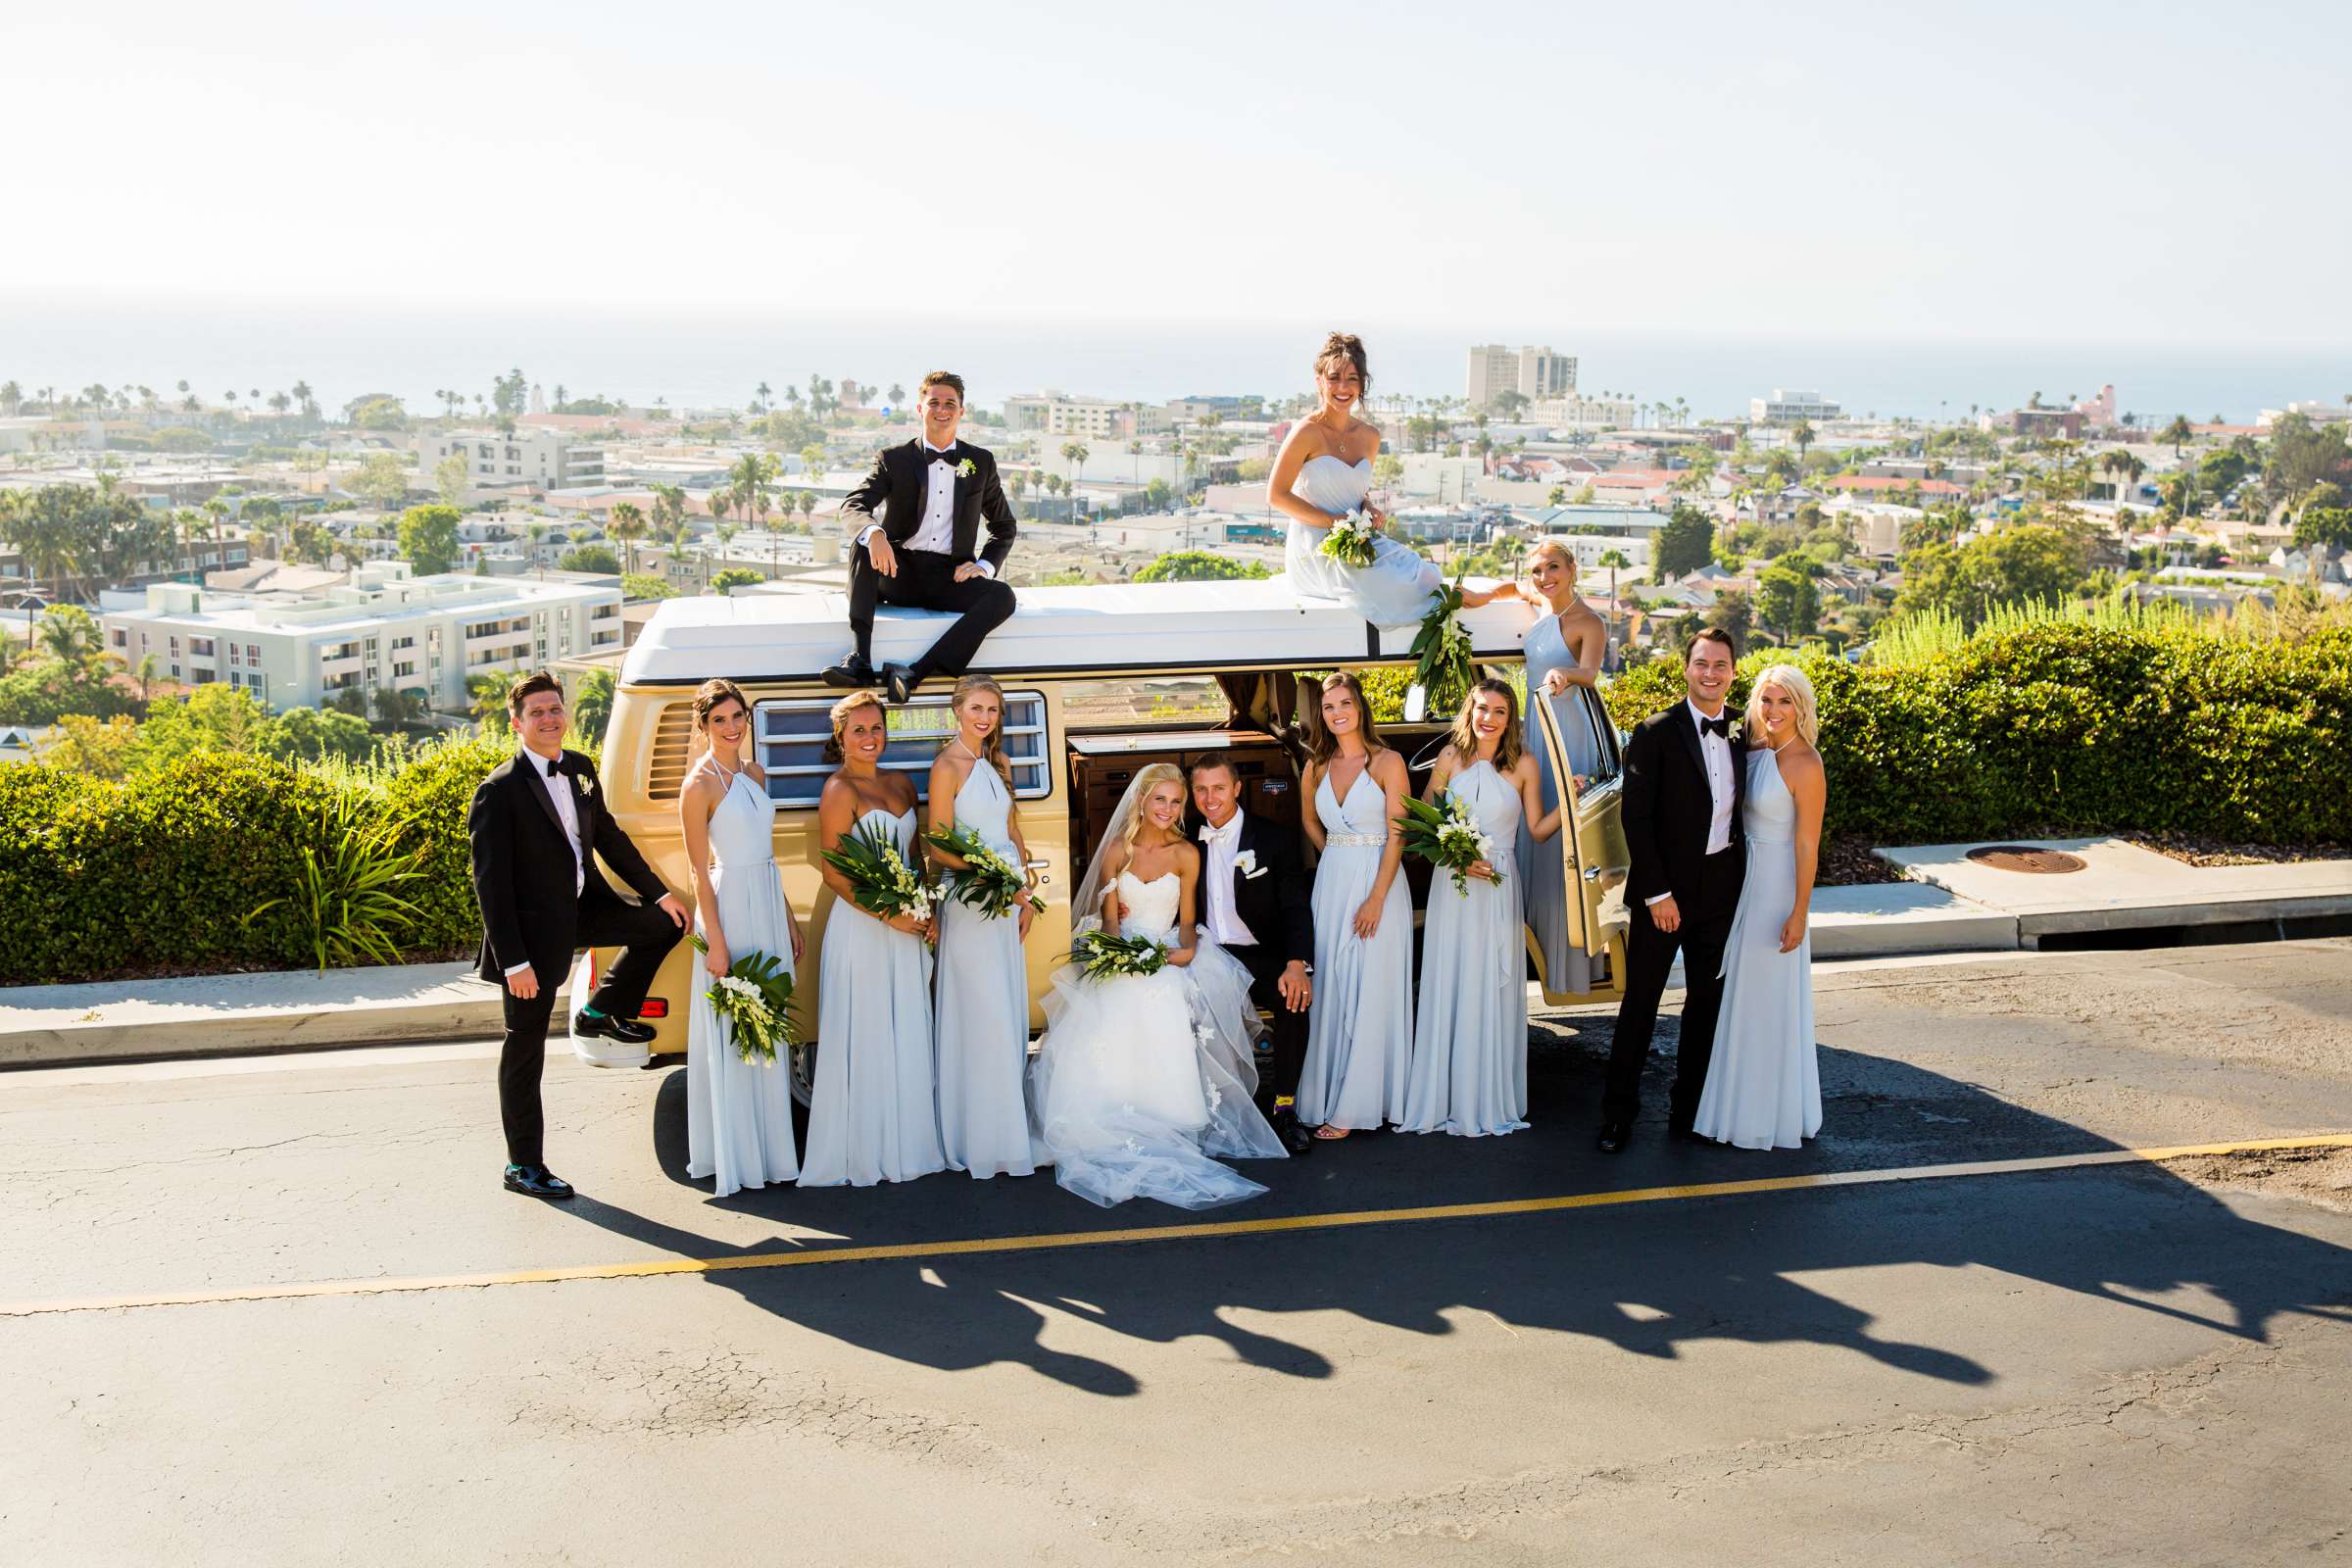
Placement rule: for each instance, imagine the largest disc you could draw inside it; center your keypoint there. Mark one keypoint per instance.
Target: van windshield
(1194, 701)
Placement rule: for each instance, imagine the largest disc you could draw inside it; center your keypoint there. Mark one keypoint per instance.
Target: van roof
(792, 635)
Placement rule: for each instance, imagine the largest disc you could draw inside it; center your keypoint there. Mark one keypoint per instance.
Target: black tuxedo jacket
(1274, 904)
(1668, 806)
(523, 864)
(901, 480)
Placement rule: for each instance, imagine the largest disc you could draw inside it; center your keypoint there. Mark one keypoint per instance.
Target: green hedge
(157, 874)
(2076, 729)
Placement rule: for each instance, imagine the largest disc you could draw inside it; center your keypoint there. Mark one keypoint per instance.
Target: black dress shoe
(1613, 1136)
(536, 1181)
(629, 1031)
(1294, 1138)
(899, 681)
(851, 671)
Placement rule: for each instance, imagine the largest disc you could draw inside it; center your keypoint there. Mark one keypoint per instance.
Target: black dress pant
(1706, 925)
(645, 935)
(1265, 965)
(926, 580)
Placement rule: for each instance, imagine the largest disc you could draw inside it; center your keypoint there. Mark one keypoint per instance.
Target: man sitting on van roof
(934, 491)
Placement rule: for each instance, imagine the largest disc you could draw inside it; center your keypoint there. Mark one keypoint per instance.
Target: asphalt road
(2097, 1362)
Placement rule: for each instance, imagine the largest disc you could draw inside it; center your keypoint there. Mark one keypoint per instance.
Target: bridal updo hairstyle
(1346, 347)
(840, 716)
(1465, 734)
(1147, 783)
(993, 752)
(1321, 744)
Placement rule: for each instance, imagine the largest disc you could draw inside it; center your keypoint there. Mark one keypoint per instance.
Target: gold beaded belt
(1355, 841)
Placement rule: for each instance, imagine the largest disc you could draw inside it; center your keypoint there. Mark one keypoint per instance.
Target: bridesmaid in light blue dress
(738, 1112)
(1763, 1088)
(874, 1114)
(1564, 649)
(1469, 1074)
(1324, 473)
(981, 1000)
(1360, 1025)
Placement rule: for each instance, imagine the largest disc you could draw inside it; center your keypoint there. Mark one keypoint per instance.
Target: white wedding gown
(1139, 1079)
(1398, 589)
(1763, 1088)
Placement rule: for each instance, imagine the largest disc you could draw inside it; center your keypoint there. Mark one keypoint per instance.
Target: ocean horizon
(701, 360)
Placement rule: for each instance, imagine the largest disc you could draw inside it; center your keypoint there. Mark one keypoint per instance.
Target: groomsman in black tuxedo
(1253, 902)
(536, 826)
(934, 494)
(1685, 775)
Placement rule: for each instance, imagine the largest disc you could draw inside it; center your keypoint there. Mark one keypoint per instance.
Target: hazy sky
(2155, 171)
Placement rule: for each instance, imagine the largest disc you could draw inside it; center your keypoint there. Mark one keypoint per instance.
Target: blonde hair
(840, 717)
(1146, 782)
(1465, 733)
(994, 750)
(1558, 550)
(1793, 683)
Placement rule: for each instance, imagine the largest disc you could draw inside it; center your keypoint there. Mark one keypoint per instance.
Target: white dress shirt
(936, 533)
(1224, 843)
(1716, 751)
(559, 792)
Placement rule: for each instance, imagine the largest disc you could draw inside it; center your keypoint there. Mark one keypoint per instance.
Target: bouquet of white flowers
(1099, 955)
(988, 882)
(1448, 836)
(1348, 541)
(755, 997)
(881, 882)
(1443, 666)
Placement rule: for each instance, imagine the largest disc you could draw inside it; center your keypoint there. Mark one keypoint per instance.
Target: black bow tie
(556, 768)
(932, 456)
(1718, 725)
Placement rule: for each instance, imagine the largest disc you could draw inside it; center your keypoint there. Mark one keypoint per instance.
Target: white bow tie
(1211, 834)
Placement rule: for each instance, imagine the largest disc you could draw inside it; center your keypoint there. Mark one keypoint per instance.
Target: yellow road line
(310, 1288)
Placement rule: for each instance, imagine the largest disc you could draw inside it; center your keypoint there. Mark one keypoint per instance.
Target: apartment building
(531, 459)
(1584, 414)
(1787, 406)
(1534, 374)
(385, 629)
(1054, 413)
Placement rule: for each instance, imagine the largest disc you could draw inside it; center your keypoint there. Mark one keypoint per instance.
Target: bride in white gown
(1324, 473)
(1140, 1079)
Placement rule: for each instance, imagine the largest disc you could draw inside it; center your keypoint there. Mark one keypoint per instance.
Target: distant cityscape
(399, 563)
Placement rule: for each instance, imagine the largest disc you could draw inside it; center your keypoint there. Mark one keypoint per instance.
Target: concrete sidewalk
(2123, 887)
(219, 1014)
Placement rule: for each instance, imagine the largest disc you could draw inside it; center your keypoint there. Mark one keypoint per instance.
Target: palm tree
(720, 500)
(1802, 436)
(560, 397)
(70, 634)
(1615, 561)
(536, 532)
(1017, 484)
(2180, 433)
(487, 690)
(753, 477)
(761, 397)
(627, 524)
(897, 394)
(1075, 454)
(808, 506)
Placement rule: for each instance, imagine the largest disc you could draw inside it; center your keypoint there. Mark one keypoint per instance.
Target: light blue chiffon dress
(1469, 1074)
(1544, 887)
(981, 1003)
(738, 1112)
(1359, 1043)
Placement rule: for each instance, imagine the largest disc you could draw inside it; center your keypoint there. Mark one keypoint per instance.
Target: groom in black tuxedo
(1685, 777)
(1253, 901)
(934, 493)
(536, 826)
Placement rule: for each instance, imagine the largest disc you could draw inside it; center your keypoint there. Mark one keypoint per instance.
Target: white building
(1582, 414)
(1164, 531)
(385, 629)
(531, 459)
(1055, 413)
(2312, 409)
(1787, 406)
(1532, 372)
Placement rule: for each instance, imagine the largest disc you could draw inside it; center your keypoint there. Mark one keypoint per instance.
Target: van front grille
(673, 747)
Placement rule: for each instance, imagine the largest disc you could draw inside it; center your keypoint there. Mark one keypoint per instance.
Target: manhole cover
(2025, 858)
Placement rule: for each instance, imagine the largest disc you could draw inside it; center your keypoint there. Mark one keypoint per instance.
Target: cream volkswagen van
(1099, 682)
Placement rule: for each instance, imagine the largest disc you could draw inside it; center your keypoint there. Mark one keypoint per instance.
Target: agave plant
(347, 895)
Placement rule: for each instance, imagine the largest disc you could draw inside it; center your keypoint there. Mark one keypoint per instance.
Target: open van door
(1581, 744)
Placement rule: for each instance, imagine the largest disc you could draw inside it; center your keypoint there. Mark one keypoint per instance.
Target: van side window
(791, 735)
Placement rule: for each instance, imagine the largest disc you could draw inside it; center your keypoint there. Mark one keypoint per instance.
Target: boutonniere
(966, 468)
(583, 784)
(1246, 863)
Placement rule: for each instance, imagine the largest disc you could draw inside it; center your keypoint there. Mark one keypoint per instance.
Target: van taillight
(654, 1007)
